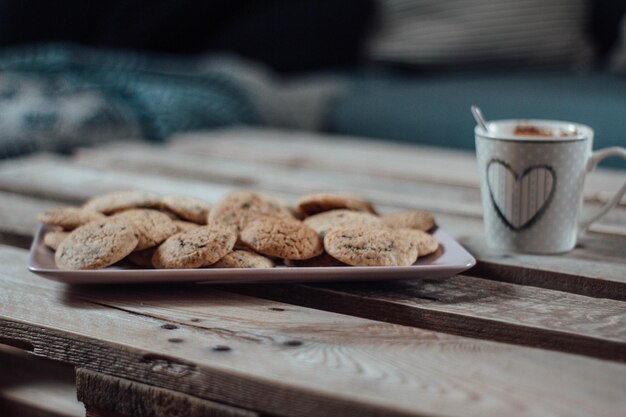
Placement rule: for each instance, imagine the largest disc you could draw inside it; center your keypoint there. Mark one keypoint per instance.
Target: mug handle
(593, 162)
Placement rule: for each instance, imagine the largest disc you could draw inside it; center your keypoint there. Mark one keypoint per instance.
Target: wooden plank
(18, 218)
(461, 305)
(36, 387)
(134, 399)
(573, 272)
(360, 155)
(474, 307)
(393, 192)
(55, 178)
(580, 333)
(296, 362)
(595, 268)
(605, 277)
(331, 152)
(401, 193)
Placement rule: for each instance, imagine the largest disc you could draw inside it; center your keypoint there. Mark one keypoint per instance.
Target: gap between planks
(94, 412)
(36, 387)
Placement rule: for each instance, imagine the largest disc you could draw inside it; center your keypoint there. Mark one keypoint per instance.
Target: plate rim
(275, 275)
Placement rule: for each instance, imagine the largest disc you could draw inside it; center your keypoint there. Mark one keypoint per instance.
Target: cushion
(438, 33)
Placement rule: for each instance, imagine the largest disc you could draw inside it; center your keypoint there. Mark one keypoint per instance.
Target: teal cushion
(435, 109)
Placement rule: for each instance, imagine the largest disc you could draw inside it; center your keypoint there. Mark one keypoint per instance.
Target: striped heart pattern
(520, 199)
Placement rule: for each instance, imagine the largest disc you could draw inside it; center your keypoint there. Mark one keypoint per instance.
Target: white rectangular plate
(450, 259)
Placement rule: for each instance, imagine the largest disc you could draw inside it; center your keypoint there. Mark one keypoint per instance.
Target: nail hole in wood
(175, 340)
(277, 309)
(169, 326)
(221, 348)
(292, 343)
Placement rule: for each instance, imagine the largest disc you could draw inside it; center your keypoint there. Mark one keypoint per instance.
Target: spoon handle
(478, 116)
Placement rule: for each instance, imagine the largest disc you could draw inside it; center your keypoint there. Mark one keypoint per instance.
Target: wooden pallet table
(518, 335)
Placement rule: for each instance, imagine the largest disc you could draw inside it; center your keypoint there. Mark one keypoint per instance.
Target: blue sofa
(434, 109)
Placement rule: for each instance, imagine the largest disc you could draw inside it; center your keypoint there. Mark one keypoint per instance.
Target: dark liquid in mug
(538, 132)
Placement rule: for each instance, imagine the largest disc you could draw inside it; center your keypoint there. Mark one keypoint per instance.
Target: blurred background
(76, 73)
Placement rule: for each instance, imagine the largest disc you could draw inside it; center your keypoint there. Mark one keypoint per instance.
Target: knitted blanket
(57, 97)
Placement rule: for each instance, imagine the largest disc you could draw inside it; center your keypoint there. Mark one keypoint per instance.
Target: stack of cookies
(243, 230)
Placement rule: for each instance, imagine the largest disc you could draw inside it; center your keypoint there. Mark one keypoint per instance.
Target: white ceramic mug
(532, 181)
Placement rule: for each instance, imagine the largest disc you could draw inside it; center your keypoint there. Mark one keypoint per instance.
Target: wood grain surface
(18, 218)
(474, 307)
(568, 274)
(595, 268)
(391, 192)
(360, 155)
(293, 361)
(392, 349)
(461, 305)
(605, 277)
(436, 305)
(386, 191)
(121, 396)
(58, 179)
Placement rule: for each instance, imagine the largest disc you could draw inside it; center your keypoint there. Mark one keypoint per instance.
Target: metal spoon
(478, 115)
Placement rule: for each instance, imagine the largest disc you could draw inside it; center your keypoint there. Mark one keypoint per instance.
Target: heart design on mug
(520, 199)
